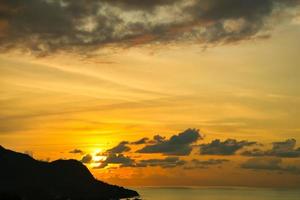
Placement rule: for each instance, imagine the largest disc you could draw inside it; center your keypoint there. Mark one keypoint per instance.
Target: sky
(153, 92)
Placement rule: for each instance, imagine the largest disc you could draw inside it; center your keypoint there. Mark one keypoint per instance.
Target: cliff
(22, 177)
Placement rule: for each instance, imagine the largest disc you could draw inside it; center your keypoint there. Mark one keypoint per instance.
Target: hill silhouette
(22, 177)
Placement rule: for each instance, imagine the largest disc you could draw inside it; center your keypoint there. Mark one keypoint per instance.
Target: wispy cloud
(76, 151)
(204, 164)
(270, 164)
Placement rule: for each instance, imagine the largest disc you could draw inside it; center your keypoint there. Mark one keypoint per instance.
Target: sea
(217, 193)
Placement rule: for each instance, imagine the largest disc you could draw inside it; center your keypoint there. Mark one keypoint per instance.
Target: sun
(98, 155)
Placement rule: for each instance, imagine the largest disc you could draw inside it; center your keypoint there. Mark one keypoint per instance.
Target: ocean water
(228, 193)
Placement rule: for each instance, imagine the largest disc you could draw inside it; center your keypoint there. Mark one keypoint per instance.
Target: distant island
(22, 177)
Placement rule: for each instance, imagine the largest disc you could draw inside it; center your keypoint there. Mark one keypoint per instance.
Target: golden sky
(215, 106)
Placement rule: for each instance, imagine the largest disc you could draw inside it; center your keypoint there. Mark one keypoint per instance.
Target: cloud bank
(45, 26)
(176, 152)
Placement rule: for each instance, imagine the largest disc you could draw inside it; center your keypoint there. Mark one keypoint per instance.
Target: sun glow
(97, 158)
(98, 155)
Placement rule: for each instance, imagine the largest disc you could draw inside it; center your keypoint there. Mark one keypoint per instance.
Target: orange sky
(246, 90)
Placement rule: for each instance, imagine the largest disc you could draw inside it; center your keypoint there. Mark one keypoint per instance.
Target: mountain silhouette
(22, 177)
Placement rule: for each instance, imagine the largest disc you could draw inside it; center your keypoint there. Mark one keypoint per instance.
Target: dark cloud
(120, 148)
(158, 139)
(126, 161)
(87, 159)
(254, 153)
(45, 26)
(262, 164)
(271, 164)
(285, 149)
(141, 141)
(141, 5)
(177, 145)
(76, 151)
(168, 162)
(228, 147)
(122, 160)
(204, 164)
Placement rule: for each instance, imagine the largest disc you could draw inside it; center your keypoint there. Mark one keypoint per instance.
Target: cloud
(204, 164)
(168, 162)
(177, 144)
(271, 164)
(228, 147)
(254, 153)
(87, 159)
(157, 139)
(46, 26)
(141, 5)
(262, 164)
(76, 151)
(285, 149)
(140, 141)
(210, 161)
(124, 161)
(120, 148)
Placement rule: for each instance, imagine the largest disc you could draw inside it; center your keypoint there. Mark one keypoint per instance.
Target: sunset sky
(155, 92)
